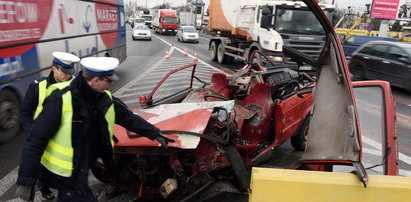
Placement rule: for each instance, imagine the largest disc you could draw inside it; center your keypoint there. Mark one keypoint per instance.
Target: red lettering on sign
(107, 21)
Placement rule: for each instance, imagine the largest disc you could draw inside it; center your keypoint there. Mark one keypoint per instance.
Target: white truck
(186, 19)
(147, 17)
(237, 28)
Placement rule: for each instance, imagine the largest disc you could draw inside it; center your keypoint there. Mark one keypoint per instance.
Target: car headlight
(164, 30)
(175, 30)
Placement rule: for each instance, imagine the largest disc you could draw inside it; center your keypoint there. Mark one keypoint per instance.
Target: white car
(141, 32)
(187, 33)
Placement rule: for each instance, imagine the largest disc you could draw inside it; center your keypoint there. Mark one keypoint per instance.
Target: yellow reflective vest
(42, 96)
(59, 152)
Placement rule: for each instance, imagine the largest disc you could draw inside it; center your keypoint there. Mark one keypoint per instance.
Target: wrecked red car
(220, 130)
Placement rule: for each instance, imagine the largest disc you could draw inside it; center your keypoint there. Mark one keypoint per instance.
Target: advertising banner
(404, 10)
(385, 9)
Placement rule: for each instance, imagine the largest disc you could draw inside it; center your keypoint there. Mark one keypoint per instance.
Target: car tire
(213, 50)
(9, 115)
(299, 140)
(358, 73)
(242, 175)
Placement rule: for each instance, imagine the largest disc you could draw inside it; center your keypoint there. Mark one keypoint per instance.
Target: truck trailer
(237, 29)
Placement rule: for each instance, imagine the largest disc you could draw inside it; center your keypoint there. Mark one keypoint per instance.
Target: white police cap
(101, 66)
(66, 61)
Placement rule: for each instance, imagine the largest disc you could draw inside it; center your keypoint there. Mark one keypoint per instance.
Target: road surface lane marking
(404, 158)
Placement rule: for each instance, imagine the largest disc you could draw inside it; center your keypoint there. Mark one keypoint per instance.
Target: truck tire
(9, 115)
(242, 176)
(213, 50)
(299, 140)
(221, 57)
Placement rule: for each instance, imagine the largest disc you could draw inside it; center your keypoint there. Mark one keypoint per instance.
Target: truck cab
(165, 21)
(295, 23)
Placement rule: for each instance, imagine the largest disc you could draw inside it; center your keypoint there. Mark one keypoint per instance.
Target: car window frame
(384, 53)
(388, 53)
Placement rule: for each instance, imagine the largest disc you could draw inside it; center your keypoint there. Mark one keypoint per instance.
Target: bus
(31, 30)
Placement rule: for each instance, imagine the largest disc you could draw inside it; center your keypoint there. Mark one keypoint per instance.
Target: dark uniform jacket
(31, 100)
(90, 137)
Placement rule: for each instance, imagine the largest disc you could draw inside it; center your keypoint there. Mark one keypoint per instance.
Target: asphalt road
(144, 67)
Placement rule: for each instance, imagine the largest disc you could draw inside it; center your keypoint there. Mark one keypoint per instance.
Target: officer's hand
(163, 140)
(25, 192)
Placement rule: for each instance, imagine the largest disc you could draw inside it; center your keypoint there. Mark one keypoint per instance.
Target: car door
(375, 60)
(397, 68)
(349, 46)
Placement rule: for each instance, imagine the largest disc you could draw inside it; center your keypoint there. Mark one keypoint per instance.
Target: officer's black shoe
(47, 194)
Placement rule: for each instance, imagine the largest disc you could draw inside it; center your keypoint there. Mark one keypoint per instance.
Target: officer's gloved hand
(25, 192)
(163, 140)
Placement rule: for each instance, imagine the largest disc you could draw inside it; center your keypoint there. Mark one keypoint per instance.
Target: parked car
(353, 42)
(187, 33)
(383, 60)
(141, 32)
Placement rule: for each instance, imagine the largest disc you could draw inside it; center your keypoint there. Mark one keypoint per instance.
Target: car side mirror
(265, 18)
(265, 21)
(404, 60)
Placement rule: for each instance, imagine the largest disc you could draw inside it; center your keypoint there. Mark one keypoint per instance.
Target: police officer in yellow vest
(75, 128)
(62, 70)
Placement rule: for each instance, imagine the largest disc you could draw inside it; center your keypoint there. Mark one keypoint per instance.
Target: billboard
(404, 10)
(385, 9)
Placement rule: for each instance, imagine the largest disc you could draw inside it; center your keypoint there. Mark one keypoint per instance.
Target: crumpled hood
(191, 117)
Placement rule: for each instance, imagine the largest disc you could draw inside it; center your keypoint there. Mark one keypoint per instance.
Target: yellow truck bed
(268, 184)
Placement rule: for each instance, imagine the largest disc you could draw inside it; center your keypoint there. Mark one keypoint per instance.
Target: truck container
(187, 19)
(165, 21)
(238, 31)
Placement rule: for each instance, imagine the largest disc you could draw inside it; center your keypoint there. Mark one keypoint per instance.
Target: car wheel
(299, 140)
(9, 115)
(240, 171)
(213, 50)
(358, 73)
